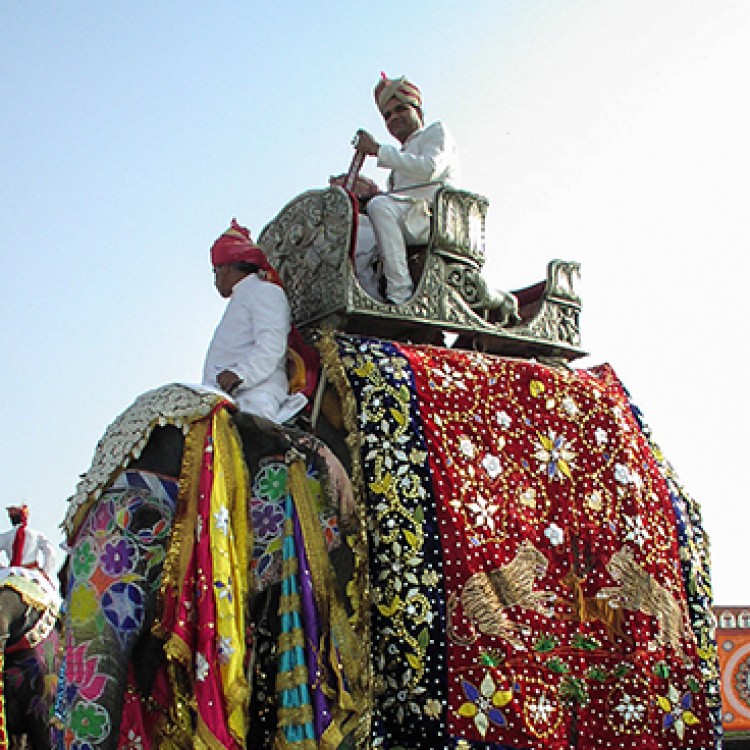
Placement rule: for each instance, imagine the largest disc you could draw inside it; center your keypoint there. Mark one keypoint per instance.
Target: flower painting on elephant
(114, 573)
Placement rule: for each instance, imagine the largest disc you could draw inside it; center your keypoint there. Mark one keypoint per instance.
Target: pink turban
(236, 246)
(398, 88)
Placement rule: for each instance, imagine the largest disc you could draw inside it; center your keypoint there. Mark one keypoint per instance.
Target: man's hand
(228, 381)
(366, 144)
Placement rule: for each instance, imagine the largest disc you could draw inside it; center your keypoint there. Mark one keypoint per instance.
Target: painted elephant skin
(28, 673)
(115, 573)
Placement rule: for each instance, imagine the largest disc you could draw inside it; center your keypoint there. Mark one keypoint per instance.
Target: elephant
(29, 638)
(436, 615)
(117, 642)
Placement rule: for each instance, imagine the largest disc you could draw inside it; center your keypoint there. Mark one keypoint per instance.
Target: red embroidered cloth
(551, 508)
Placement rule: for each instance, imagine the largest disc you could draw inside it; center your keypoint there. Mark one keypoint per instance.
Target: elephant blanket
(538, 578)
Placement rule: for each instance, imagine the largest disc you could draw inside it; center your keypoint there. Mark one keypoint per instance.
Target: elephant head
(115, 567)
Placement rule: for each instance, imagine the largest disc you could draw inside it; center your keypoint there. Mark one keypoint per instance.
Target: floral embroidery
(554, 456)
(484, 704)
(678, 710)
(202, 667)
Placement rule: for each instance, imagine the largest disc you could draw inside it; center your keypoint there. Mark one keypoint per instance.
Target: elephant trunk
(92, 688)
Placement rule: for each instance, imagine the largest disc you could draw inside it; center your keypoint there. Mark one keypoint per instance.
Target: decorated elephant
(522, 570)
(149, 545)
(28, 653)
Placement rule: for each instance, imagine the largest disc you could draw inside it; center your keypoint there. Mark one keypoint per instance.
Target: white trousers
(267, 404)
(392, 224)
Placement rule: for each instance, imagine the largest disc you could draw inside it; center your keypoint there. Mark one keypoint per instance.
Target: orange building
(733, 640)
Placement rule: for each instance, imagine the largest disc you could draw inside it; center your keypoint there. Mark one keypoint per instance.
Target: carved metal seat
(310, 240)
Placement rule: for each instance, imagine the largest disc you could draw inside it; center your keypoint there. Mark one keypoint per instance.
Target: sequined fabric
(539, 579)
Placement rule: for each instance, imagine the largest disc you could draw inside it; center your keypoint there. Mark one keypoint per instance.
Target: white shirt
(251, 339)
(35, 545)
(429, 154)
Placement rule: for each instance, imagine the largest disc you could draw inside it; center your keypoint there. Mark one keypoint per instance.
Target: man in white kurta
(248, 352)
(427, 159)
(37, 552)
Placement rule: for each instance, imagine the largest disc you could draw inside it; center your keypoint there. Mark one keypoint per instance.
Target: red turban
(18, 511)
(236, 246)
(399, 88)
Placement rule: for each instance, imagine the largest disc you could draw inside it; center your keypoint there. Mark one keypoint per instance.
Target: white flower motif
(555, 534)
(622, 474)
(225, 649)
(528, 497)
(601, 436)
(636, 531)
(135, 741)
(201, 667)
(541, 709)
(491, 465)
(484, 512)
(466, 447)
(595, 500)
(222, 520)
(630, 709)
(503, 419)
(570, 406)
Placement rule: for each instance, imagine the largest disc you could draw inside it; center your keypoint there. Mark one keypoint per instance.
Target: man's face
(401, 119)
(225, 277)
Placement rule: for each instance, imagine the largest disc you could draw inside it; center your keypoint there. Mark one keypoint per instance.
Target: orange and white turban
(399, 88)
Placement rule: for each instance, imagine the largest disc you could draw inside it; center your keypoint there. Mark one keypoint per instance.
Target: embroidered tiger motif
(639, 591)
(486, 596)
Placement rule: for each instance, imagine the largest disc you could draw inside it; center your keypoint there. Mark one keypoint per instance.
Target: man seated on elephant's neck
(25, 547)
(247, 356)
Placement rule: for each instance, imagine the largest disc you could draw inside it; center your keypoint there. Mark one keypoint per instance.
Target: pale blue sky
(611, 132)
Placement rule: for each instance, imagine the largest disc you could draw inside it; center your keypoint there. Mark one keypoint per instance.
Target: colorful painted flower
(124, 606)
(83, 604)
(90, 721)
(272, 482)
(83, 560)
(677, 710)
(83, 671)
(554, 456)
(484, 703)
(268, 520)
(119, 556)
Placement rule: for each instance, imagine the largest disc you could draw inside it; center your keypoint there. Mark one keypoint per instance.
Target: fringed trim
(359, 723)
(180, 548)
(331, 610)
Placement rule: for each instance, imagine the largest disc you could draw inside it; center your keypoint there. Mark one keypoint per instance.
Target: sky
(611, 132)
